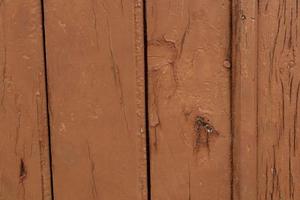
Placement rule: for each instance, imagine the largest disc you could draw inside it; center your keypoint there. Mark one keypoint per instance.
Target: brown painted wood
(189, 99)
(24, 155)
(278, 100)
(244, 99)
(96, 87)
(271, 27)
(216, 131)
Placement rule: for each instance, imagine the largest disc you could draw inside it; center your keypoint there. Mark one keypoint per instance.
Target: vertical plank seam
(257, 96)
(47, 96)
(148, 147)
(230, 56)
(234, 35)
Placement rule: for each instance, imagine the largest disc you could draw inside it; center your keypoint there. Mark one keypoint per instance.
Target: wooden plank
(244, 99)
(24, 155)
(278, 100)
(189, 98)
(96, 87)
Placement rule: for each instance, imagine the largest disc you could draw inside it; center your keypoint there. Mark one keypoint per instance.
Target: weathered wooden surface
(216, 131)
(189, 99)
(96, 87)
(244, 99)
(266, 55)
(24, 163)
(278, 89)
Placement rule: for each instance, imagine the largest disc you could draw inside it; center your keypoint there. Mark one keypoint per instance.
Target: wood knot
(204, 131)
(243, 17)
(200, 123)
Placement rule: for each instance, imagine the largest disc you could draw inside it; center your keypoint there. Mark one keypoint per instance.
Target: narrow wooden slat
(278, 100)
(244, 101)
(189, 99)
(24, 156)
(96, 87)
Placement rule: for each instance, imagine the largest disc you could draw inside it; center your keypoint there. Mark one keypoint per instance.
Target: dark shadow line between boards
(148, 149)
(47, 97)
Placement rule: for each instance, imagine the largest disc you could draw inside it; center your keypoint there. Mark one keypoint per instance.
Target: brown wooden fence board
(96, 87)
(24, 163)
(278, 81)
(244, 99)
(267, 31)
(189, 79)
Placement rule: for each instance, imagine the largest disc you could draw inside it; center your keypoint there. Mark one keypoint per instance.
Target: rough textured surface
(189, 99)
(223, 100)
(24, 163)
(278, 100)
(96, 88)
(266, 43)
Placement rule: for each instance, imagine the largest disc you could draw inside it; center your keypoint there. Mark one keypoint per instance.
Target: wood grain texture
(278, 100)
(244, 99)
(96, 87)
(189, 99)
(24, 155)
